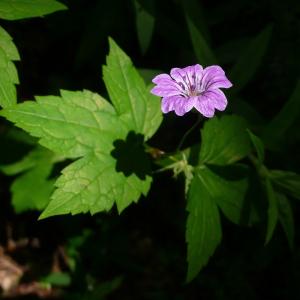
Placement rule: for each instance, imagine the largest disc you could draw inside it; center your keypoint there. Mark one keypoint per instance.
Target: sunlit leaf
(81, 124)
(133, 102)
(8, 71)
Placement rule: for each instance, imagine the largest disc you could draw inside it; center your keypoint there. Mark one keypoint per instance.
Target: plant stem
(188, 132)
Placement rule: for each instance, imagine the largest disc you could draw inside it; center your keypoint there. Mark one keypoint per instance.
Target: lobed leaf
(111, 165)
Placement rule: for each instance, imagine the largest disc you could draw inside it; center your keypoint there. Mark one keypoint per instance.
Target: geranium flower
(191, 87)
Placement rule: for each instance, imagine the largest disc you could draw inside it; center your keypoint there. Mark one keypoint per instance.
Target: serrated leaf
(272, 210)
(259, 147)
(8, 71)
(91, 184)
(144, 23)
(8, 46)
(288, 182)
(73, 125)
(203, 231)
(21, 9)
(290, 112)
(224, 140)
(286, 218)
(81, 124)
(132, 100)
(8, 94)
(250, 59)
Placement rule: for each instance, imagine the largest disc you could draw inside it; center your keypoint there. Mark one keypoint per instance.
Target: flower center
(194, 93)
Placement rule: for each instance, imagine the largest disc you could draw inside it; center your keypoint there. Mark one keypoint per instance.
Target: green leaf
(21, 9)
(203, 232)
(23, 198)
(82, 125)
(7, 45)
(228, 186)
(286, 218)
(250, 59)
(91, 184)
(272, 210)
(57, 279)
(132, 100)
(31, 160)
(288, 182)
(203, 52)
(72, 125)
(144, 23)
(276, 129)
(224, 140)
(37, 166)
(259, 147)
(8, 71)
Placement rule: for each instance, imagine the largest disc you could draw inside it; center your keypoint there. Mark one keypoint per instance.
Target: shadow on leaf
(131, 156)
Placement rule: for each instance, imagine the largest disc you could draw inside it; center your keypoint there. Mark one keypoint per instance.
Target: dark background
(145, 246)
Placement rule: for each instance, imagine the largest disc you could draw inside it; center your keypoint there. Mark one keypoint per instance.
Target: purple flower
(191, 87)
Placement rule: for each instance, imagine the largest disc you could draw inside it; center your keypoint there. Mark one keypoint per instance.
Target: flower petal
(165, 91)
(179, 75)
(176, 103)
(190, 103)
(217, 99)
(214, 77)
(194, 74)
(204, 106)
(161, 77)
